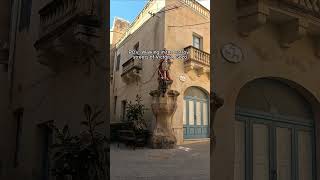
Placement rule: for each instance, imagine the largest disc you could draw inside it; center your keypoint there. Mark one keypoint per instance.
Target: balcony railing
(131, 64)
(198, 56)
(59, 13)
(197, 60)
(131, 70)
(68, 32)
(308, 7)
(197, 7)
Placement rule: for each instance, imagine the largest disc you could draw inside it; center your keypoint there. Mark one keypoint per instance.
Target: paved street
(186, 162)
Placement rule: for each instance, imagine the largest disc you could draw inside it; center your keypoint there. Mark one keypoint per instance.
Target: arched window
(195, 92)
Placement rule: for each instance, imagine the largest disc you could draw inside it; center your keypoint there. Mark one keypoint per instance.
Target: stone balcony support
(69, 30)
(292, 31)
(197, 60)
(252, 17)
(131, 70)
(295, 19)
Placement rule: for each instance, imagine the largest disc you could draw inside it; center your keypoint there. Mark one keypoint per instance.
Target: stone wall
(263, 56)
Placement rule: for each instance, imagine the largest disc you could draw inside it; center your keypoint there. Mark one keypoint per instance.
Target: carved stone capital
(215, 103)
(293, 31)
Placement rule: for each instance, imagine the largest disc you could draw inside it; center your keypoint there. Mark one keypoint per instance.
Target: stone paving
(185, 162)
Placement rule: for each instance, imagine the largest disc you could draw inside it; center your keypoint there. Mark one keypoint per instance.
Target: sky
(129, 9)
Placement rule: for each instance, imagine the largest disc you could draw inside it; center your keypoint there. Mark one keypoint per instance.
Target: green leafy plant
(65, 153)
(135, 113)
(84, 157)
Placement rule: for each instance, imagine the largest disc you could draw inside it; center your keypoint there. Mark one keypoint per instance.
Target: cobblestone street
(185, 162)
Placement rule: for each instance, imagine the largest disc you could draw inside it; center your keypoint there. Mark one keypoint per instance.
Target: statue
(164, 78)
(164, 105)
(163, 70)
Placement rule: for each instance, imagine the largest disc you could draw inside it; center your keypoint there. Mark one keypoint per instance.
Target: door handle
(274, 175)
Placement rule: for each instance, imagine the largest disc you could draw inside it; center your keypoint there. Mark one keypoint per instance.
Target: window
(25, 13)
(115, 104)
(18, 114)
(124, 108)
(118, 62)
(197, 41)
(136, 47)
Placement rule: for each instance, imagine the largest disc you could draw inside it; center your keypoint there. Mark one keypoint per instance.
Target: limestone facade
(277, 41)
(168, 25)
(43, 75)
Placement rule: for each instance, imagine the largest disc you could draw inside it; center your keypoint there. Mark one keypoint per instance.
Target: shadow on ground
(185, 162)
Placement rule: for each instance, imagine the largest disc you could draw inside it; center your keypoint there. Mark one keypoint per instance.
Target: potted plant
(84, 156)
(134, 116)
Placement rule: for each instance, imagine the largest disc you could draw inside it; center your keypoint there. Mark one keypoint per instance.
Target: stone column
(163, 106)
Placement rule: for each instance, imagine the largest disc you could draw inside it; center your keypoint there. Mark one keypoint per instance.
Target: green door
(271, 147)
(196, 114)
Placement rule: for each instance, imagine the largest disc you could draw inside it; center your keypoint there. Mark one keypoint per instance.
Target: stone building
(266, 70)
(173, 25)
(47, 75)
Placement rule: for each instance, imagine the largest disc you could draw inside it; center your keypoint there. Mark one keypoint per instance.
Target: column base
(163, 141)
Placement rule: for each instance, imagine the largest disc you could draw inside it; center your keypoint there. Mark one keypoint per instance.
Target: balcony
(294, 18)
(197, 60)
(67, 27)
(131, 70)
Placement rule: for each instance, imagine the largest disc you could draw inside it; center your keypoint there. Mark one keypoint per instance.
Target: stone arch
(278, 97)
(194, 88)
(273, 96)
(305, 94)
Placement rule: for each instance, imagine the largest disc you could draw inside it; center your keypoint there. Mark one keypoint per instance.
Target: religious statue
(163, 75)
(163, 70)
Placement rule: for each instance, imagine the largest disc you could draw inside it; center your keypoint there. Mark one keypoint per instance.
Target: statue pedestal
(163, 107)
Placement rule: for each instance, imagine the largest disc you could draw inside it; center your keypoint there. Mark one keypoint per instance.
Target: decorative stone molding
(163, 107)
(292, 31)
(216, 102)
(251, 16)
(197, 60)
(131, 70)
(68, 32)
(196, 6)
(295, 19)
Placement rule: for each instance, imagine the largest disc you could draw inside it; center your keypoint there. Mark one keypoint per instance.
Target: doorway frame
(196, 99)
(273, 121)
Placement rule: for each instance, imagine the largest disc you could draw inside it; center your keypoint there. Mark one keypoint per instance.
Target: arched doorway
(195, 114)
(274, 133)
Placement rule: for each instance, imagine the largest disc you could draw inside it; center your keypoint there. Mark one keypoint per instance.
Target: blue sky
(129, 9)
